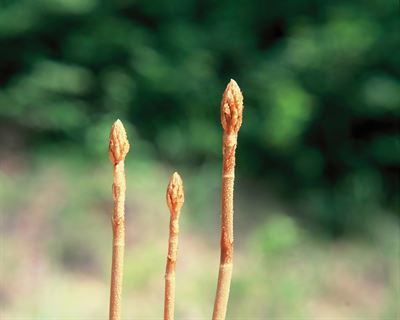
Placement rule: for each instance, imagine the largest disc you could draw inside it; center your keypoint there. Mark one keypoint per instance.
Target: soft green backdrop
(317, 193)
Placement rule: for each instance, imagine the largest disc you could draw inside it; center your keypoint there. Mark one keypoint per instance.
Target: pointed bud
(119, 145)
(175, 195)
(232, 108)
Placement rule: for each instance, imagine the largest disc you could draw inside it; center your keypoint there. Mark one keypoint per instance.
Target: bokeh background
(317, 190)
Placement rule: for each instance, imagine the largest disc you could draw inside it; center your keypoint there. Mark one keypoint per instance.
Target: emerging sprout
(119, 145)
(232, 108)
(175, 196)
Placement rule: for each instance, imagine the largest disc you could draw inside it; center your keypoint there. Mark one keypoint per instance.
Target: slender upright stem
(231, 119)
(118, 148)
(175, 199)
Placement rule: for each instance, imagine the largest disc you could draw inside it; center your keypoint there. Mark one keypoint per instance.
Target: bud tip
(119, 145)
(232, 108)
(175, 195)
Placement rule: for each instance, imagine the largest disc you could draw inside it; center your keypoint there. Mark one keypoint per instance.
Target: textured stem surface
(169, 303)
(175, 199)
(118, 149)
(118, 227)
(231, 120)
(225, 269)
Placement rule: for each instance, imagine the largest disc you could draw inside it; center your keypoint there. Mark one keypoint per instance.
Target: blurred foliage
(320, 79)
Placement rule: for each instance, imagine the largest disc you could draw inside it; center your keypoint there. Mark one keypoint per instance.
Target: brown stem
(231, 118)
(118, 149)
(175, 199)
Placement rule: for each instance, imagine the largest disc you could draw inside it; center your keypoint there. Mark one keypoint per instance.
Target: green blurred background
(317, 191)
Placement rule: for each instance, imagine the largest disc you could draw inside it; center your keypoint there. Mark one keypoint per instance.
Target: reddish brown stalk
(175, 199)
(118, 148)
(231, 119)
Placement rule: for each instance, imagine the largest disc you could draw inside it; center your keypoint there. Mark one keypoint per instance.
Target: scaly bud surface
(119, 145)
(175, 196)
(232, 108)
